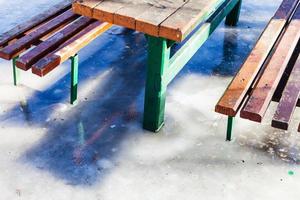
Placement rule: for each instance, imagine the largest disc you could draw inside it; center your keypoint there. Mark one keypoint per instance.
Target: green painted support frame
(74, 79)
(16, 71)
(229, 128)
(162, 69)
(233, 17)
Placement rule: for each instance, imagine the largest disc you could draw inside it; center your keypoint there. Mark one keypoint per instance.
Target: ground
(98, 150)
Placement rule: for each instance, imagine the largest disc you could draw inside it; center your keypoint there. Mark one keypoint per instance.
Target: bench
(49, 39)
(165, 23)
(270, 73)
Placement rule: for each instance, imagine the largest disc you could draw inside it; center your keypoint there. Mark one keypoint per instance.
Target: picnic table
(164, 23)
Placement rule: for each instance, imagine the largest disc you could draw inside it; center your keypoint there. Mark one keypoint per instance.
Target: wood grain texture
(105, 10)
(149, 22)
(32, 56)
(186, 18)
(235, 94)
(85, 7)
(148, 16)
(25, 42)
(19, 30)
(69, 48)
(289, 99)
(264, 90)
(126, 16)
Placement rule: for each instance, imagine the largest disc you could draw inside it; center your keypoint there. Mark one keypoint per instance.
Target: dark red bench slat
(26, 60)
(289, 99)
(69, 48)
(25, 42)
(20, 30)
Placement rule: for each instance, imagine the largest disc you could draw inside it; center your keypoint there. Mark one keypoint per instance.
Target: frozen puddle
(97, 150)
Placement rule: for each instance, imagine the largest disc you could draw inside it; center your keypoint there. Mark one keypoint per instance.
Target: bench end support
(232, 18)
(74, 79)
(229, 128)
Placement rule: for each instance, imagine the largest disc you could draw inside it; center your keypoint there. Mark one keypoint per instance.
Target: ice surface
(97, 150)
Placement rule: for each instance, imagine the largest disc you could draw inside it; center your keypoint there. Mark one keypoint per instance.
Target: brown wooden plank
(289, 99)
(105, 10)
(16, 48)
(69, 48)
(179, 25)
(85, 7)
(29, 58)
(35, 21)
(236, 92)
(126, 15)
(150, 20)
(264, 90)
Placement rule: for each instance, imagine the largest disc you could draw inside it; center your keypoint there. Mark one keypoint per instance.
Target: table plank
(264, 90)
(105, 10)
(289, 99)
(183, 22)
(126, 16)
(85, 7)
(150, 20)
(173, 20)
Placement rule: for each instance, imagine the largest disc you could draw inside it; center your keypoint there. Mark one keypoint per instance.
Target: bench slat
(289, 99)
(264, 90)
(35, 21)
(26, 60)
(194, 12)
(235, 94)
(25, 42)
(69, 48)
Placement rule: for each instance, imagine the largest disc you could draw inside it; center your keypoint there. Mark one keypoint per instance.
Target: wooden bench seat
(266, 74)
(49, 39)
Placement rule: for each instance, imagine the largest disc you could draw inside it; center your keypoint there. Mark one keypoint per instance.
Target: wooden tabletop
(171, 19)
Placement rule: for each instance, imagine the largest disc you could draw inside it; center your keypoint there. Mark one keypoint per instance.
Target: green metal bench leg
(229, 128)
(74, 79)
(16, 71)
(233, 17)
(156, 86)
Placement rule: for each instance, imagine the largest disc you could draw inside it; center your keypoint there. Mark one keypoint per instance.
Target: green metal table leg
(16, 71)
(156, 86)
(229, 128)
(74, 79)
(233, 17)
